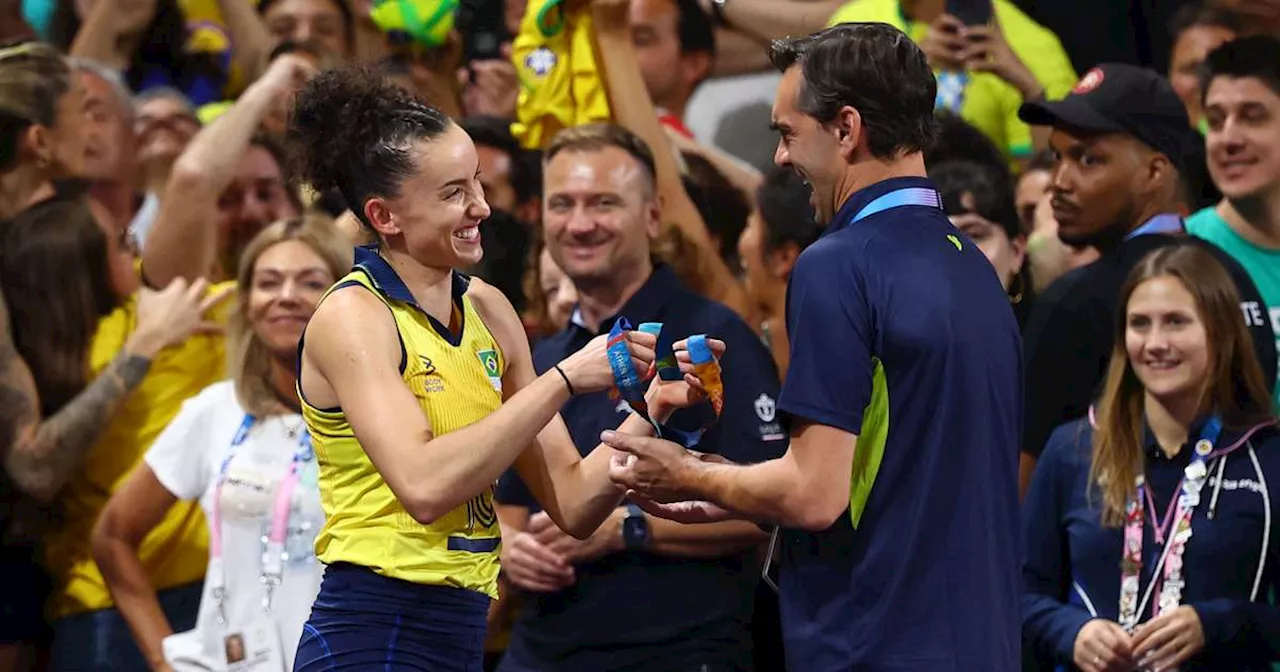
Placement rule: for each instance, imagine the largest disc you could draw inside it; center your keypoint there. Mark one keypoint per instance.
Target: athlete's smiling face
(439, 207)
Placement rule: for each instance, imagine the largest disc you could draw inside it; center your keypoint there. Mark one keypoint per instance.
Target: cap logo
(1090, 81)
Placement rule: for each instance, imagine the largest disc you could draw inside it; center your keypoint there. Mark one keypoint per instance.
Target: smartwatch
(635, 529)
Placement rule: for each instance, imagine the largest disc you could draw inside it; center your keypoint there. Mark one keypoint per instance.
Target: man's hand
(531, 566)
(657, 469)
(605, 540)
(688, 513)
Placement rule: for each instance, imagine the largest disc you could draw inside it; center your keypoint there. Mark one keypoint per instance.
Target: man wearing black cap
(1124, 142)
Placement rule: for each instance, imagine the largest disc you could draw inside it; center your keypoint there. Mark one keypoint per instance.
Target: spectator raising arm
(774, 19)
(41, 455)
(633, 109)
(112, 31)
(183, 242)
(249, 34)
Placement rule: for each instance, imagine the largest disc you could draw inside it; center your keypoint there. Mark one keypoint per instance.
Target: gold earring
(1020, 282)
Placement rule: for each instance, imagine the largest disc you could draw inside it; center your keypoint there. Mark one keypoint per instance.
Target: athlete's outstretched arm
(575, 492)
(352, 358)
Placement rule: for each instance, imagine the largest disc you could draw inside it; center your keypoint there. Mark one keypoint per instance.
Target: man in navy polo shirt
(641, 593)
(898, 493)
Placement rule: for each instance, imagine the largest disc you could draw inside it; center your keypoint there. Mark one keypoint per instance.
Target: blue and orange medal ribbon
(629, 384)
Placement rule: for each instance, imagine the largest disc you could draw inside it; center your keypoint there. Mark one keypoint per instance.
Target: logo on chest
(489, 362)
(428, 378)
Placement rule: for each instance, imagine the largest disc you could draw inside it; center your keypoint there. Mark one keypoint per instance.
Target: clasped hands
(1162, 643)
(659, 475)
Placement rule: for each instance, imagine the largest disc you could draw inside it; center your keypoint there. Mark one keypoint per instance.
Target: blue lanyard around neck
(303, 454)
(899, 198)
(1159, 224)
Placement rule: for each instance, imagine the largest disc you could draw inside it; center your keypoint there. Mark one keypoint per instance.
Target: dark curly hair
(353, 130)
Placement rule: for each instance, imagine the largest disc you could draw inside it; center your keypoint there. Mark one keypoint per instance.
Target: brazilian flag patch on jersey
(489, 360)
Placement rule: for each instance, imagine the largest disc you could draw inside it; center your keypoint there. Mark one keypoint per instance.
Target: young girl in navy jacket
(1148, 525)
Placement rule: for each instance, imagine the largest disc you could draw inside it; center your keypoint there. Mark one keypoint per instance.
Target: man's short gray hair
(108, 75)
(164, 93)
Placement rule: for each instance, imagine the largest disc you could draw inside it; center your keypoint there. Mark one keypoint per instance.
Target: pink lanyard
(1174, 531)
(272, 558)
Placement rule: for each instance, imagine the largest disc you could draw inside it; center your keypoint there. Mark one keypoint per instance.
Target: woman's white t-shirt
(187, 458)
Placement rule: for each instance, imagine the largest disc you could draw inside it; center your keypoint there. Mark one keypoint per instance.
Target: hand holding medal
(688, 372)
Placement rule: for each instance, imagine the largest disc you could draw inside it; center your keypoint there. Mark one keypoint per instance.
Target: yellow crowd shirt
(457, 380)
(177, 550)
(990, 103)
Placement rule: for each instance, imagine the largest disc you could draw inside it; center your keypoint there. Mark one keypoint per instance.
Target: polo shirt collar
(1151, 447)
(646, 305)
(387, 281)
(864, 196)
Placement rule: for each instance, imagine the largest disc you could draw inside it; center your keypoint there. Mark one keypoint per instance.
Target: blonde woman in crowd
(1148, 525)
(241, 449)
(41, 109)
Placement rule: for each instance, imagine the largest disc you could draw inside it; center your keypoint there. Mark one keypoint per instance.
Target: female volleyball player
(419, 391)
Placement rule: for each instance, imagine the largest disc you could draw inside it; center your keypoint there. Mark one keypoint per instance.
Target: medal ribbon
(629, 385)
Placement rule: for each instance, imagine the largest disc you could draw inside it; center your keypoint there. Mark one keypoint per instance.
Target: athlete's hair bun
(352, 129)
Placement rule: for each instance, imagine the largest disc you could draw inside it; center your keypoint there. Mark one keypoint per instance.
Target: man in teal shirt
(1241, 85)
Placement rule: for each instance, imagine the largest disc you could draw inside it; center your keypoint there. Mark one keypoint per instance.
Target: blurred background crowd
(159, 260)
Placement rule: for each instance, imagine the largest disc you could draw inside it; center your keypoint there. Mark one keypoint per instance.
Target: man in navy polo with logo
(898, 492)
(641, 593)
(1124, 145)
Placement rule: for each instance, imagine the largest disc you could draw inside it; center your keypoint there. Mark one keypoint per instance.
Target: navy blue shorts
(364, 621)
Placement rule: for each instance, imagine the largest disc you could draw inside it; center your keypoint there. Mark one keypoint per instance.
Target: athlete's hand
(1103, 646)
(588, 369)
(1168, 640)
(665, 397)
(531, 566)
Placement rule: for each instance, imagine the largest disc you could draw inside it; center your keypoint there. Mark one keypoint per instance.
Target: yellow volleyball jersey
(457, 380)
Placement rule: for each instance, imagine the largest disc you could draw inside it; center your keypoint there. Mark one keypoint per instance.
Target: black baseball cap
(1119, 98)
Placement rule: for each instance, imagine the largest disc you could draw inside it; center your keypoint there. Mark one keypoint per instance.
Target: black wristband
(572, 392)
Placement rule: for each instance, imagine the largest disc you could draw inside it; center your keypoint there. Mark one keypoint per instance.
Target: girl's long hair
(57, 284)
(1234, 386)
